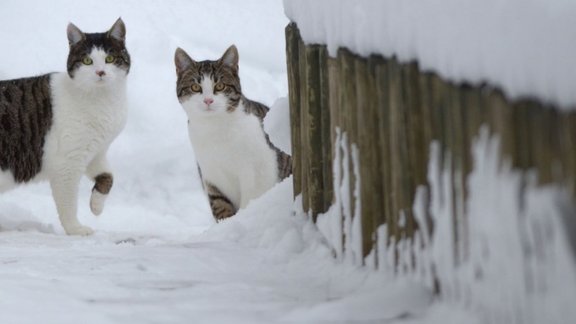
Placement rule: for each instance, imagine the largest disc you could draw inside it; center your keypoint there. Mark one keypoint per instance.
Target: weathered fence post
(293, 42)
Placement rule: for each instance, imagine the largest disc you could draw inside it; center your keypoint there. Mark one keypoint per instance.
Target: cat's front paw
(97, 202)
(80, 230)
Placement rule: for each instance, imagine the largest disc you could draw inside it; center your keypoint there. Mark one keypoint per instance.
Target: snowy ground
(157, 256)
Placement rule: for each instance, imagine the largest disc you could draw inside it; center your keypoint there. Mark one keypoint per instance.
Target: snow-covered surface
(341, 223)
(276, 126)
(263, 266)
(511, 261)
(525, 47)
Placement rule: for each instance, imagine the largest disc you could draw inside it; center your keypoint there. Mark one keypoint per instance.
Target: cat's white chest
(233, 155)
(83, 124)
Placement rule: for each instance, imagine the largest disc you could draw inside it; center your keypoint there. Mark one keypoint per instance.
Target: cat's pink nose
(100, 73)
(208, 101)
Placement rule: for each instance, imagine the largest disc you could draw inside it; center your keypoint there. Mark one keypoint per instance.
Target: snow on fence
(451, 184)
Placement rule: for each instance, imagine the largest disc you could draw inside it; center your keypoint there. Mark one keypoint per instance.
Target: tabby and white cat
(58, 126)
(235, 157)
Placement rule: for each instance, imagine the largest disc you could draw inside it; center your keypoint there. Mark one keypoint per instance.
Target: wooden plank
(397, 145)
(304, 126)
(524, 157)
(293, 71)
(451, 160)
(375, 63)
(383, 125)
(438, 102)
(349, 115)
(325, 125)
(428, 127)
(334, 103)
(567, 139)
(568, 150)
(416, 159)
(543, 143)
(313, 136)
(472, 104)
(457, 114)
(370, 190)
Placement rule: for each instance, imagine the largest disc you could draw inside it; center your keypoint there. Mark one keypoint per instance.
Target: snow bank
(525, 47)
(276, 225)
(268, 222)
(341, 224)
(512, 262)
(508, 260)
(277, 125)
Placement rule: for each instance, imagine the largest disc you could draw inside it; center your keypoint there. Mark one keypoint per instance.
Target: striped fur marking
(221, 206)
(25, 119)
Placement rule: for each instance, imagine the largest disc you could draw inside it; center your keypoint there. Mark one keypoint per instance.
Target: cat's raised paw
(97, 202)
(79, 230)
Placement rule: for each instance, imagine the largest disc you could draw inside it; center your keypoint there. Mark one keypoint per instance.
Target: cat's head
(98, 59)
(208, 87)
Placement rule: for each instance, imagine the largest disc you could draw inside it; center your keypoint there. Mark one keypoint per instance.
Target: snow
(525, 47)
(340, 221)
(512, 262)
(508, 260)
(276, 126)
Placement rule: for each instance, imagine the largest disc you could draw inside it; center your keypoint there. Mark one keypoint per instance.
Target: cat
(58, 126)
(236, 160)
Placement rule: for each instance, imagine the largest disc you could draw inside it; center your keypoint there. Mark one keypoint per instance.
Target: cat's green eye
(87, 61)
(219, 86)
(196, 88)
(110, 59)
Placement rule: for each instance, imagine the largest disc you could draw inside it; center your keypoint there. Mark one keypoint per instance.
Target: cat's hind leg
(99, 171)
(221, 206)
(284, 165)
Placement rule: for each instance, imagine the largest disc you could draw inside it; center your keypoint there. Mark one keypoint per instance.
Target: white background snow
(526, 47)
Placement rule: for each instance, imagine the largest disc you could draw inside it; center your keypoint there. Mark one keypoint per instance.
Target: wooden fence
(392, 111)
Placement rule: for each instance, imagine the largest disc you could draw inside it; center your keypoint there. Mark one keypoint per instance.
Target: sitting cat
(59, 126)
(236, 159)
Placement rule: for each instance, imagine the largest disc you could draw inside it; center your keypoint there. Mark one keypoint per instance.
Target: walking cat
(58, 126)
(236, 159)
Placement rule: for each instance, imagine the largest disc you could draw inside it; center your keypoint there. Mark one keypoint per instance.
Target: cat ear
(118, 30)
(182, 60)
(74, 34)
(230, 57)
